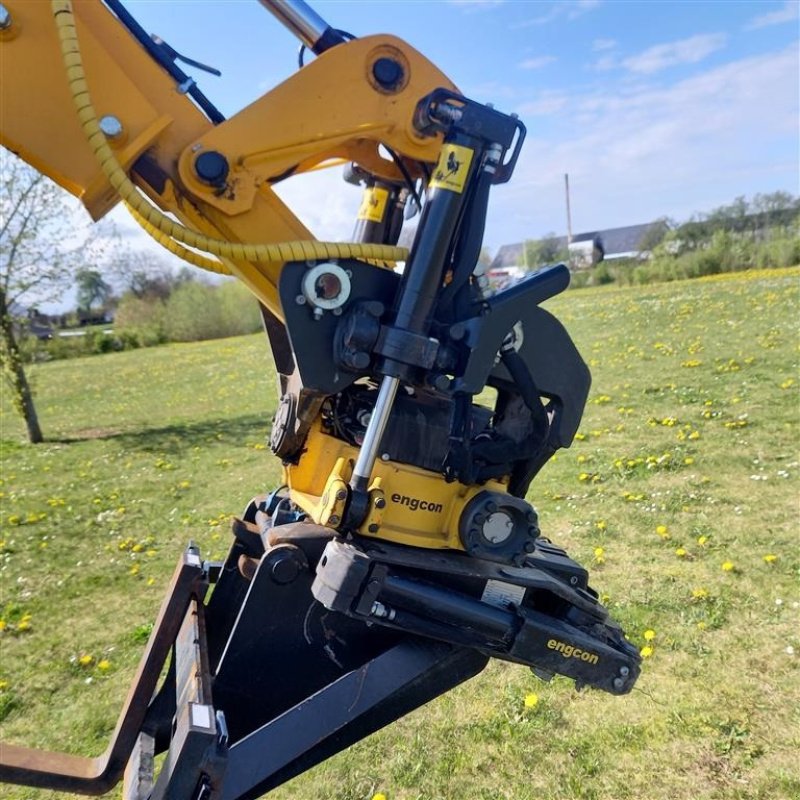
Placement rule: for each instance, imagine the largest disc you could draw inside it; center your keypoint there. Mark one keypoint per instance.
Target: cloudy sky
(652, 108)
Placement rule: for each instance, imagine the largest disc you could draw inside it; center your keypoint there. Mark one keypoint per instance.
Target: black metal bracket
(357, 704)
(444, 110)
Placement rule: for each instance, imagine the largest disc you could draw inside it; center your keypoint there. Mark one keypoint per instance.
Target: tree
(547, 250)
(40, 247)
(91, 289)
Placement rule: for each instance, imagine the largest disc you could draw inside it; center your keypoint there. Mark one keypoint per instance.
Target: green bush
(142, 318)
(196, 311)
(602, 274)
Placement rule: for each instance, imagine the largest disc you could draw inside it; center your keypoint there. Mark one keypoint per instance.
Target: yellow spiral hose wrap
(154, 220)
(176, 249)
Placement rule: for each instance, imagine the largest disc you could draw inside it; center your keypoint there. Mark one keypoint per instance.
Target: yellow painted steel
(37, 115)
(332, 109)
(283, 132)
(421, 509)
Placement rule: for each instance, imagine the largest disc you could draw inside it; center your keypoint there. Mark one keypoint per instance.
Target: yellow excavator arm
(68, 65)
(400, 552)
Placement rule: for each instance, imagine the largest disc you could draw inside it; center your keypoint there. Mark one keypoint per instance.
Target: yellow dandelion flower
(702, 625)
(681, 552)
(104, 665)
(531, 700)
(662, 531)
(85, 660)
(134, 570)
(728, 566)
(379, 796)
(601, 525)
(2, 624)
(699, 593)
(649, 635)
(694, 435)
(688, 460)
(770, 558)
(24, 624)
(151, 581)
(3, 686)
(702, 540)
(646, 651)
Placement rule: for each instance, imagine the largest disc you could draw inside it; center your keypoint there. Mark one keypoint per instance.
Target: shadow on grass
(179, 437)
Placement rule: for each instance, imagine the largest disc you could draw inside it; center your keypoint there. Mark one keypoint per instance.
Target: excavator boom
(399, 553)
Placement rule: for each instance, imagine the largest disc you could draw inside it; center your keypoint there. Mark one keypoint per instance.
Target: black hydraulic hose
(458, 297)
(523, 379)
(161, 58)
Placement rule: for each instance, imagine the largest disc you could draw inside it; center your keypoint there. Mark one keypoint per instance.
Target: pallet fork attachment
(351, 689)
(68, 773)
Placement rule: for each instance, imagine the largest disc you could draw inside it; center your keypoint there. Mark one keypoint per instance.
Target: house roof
(613, 241)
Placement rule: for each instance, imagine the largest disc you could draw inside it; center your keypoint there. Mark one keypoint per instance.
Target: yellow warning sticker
(453, 167)
(373, 204)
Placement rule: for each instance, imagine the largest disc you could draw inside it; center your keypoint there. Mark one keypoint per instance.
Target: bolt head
(285, 570)
(212, 168)
(111, 126)
(388, 73)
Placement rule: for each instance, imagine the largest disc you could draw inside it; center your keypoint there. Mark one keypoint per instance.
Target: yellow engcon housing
(408, 505)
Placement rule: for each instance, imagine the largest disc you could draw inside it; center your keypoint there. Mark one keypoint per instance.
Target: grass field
(681, 495)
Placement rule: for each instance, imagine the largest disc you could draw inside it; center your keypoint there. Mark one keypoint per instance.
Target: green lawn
(681, 495)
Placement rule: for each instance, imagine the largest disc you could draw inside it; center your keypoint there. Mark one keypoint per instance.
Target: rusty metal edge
(46, 769)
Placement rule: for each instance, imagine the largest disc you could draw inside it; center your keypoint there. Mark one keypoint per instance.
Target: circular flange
(326, 286)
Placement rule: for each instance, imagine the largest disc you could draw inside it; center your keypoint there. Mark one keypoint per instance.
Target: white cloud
(476, 5)
(605, 63)
(323, 202)
(570, 10)
(536, 63)
(789, 13)
(656, 150)
(685, 51)
(603, 44)
(544, 105)
(580, 7)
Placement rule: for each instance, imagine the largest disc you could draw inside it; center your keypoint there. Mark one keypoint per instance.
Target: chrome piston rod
(308, 26)
(374, 433)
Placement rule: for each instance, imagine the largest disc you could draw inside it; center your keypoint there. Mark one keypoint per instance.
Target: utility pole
(569, 215)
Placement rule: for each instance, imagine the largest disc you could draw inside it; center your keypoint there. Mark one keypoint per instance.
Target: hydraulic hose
(127, 191)
(195, 259)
